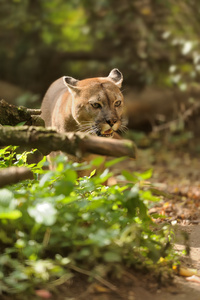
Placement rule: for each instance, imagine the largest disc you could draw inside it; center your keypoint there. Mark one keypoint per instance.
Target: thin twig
(97, 277)
(61, 280)
(33, 111)
(46, 237)
(183, 117)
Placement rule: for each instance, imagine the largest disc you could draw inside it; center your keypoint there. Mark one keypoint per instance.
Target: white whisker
(88, 127)
(123, 128)
(87, 123)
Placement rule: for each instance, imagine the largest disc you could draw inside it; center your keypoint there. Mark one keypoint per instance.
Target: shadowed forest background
(55, 226)
(155, 44)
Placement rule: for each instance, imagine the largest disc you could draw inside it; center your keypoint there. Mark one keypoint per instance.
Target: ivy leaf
(43, 213)
(145, 175)
(114, 161)
(12, 215)
(110, 256)
(8, 205)
(6, 198)
(128, 176)
(147, 195)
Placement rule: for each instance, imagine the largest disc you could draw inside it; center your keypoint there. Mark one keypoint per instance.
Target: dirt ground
(131, 287)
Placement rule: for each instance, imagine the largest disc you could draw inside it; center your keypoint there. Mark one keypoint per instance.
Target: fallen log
(78, 144)
(13, 175)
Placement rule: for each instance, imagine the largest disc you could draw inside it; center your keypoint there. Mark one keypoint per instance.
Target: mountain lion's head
(97, 103)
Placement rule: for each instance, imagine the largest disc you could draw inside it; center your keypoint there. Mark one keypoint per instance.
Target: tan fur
(70, 105)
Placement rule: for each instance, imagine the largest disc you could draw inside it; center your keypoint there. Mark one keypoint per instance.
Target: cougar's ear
(71, 84)
(116, 76)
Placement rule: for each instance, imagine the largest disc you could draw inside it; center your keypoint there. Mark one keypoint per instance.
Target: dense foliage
(57, 221)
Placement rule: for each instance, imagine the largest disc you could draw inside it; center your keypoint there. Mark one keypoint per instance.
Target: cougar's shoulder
(54, 94)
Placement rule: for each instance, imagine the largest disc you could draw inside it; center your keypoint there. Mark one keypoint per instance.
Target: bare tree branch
(33, 111)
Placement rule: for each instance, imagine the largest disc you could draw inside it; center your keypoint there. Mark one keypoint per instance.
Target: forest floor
(176, 173)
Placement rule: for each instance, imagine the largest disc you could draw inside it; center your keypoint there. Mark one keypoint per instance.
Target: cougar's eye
(118, 103)
(96, 105)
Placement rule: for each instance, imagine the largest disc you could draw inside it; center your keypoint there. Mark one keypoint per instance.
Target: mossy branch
(12, 115)
(78, 144)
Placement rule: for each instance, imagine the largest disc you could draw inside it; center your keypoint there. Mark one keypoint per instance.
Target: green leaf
(115, 161)
(97, 161)
(64, 187)
(43, 213)
(21, 123)
(6, 197)
(105, 175)
(128, 176)
(112, 257)
(8, 205)
(147, 195)
(41, 163)
(4, 238)
(46, 178)
(158, 216)
(145, 175)
(20, 243)
(92, 173)
(12, 215)
(70, 175)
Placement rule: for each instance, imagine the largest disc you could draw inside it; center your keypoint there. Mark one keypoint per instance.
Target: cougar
(93, 105)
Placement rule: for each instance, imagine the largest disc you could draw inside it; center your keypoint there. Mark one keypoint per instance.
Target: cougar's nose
(111, 122)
